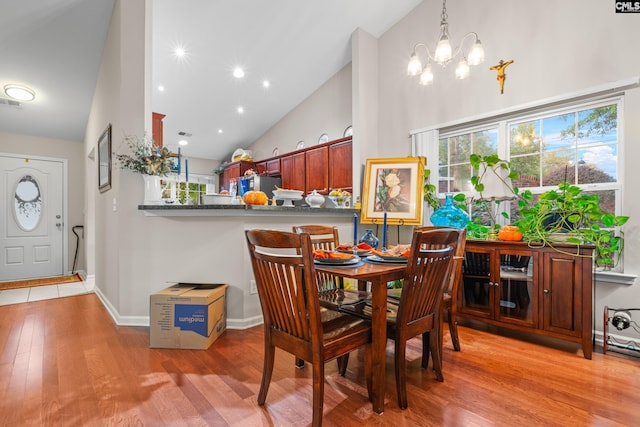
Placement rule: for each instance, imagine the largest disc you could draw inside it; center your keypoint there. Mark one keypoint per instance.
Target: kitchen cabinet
(158, 129)
(538, 290)
(316, 170)
(292, 170)
(270, 167)
(341, 165)
(234, 170)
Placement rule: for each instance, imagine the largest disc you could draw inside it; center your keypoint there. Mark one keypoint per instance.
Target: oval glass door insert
(27, 203)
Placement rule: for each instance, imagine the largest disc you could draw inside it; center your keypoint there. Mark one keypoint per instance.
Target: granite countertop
(189, 210)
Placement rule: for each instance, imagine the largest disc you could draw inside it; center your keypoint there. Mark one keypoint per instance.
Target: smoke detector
(187, 134)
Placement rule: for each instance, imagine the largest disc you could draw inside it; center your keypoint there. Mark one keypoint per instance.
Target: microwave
(262, 183)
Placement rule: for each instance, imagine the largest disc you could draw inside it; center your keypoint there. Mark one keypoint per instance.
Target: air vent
(182, 133)
(10, 103)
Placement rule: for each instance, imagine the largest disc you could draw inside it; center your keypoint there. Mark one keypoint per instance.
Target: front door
(31, 218)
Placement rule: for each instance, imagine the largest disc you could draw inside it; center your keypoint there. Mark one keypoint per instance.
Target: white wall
(327, 110)
(72, 152)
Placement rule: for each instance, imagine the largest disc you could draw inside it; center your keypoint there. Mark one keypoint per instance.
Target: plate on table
(393, 258)
(337, 261)
(387, 260)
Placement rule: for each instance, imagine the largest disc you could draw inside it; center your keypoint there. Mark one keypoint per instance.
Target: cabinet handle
(546, 291)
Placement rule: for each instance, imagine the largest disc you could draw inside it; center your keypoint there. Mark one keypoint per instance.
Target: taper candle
(179, 162)
(355, 229)
(384, 231)
(186, 169)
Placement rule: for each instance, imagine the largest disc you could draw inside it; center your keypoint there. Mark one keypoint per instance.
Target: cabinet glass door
(516, 287)
(477, 287)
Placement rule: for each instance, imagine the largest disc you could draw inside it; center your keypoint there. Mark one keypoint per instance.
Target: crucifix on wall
(501, 74)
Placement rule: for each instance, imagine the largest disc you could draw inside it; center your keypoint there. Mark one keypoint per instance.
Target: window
(579, 144)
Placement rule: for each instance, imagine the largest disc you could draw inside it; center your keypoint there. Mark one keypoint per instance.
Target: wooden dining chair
(418, 310)
(331, 291)
(450, 297)
(293, 321)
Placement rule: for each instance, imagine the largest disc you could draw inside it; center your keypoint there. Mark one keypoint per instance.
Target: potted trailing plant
(567, 215)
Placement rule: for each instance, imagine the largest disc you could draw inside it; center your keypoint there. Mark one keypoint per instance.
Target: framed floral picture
(104, 160)
(394, 186)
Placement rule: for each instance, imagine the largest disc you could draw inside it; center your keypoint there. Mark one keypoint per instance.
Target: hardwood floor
(64, 363)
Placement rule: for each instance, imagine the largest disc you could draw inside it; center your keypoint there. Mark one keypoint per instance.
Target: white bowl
(217, 199)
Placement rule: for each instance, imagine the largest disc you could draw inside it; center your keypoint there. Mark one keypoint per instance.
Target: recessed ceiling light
(220, 131)
(238, 73)
(183, 142)
(266, 84)
(240, 110)
(161, 88)
(21, 93)
(180, 52)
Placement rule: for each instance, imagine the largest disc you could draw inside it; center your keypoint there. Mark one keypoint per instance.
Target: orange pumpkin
(255, 198)
(510, 233)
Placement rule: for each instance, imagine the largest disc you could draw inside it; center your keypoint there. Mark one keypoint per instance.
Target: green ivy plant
(568, 215)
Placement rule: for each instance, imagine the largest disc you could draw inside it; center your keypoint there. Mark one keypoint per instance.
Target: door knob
(546, 291)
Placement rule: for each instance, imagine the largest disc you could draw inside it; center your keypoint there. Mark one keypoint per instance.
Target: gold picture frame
(395, 186)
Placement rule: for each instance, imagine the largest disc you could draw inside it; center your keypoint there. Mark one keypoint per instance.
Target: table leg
(379, 343)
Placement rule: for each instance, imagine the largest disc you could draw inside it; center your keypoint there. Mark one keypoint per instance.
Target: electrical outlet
(253, 288)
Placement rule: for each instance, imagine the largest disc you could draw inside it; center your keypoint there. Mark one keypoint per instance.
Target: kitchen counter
(207, 244)
(242, 210)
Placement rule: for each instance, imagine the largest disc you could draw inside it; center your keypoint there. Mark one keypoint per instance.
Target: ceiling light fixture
(240, 110)
(266, 84)
(183, 142)
(21, 93)
(238, 73)
(220, 131)
(443, 54)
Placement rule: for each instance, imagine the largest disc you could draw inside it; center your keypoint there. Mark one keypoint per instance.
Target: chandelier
(443, 54)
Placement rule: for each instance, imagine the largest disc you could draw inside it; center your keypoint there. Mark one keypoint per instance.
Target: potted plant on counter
(149, 160)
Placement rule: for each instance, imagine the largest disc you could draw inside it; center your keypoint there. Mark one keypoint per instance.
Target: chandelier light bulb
(426, 78)
(476, 55)
(443, 50)
(415, 66)
(462, 70)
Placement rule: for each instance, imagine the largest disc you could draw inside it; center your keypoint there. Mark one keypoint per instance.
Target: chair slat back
(427, 275)
(285, 281)
(458, 254)
(323, 237)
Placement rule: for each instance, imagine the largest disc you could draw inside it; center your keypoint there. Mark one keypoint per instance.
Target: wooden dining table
(378, 275)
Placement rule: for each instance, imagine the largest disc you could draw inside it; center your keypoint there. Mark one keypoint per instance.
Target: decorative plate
(323, 138)
(348, 131)
(300, 145)
(275, 152)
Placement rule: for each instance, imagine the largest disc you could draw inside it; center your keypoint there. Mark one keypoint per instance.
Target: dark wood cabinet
(537, 290)
(158, 129)
(341, 166)
(292, 171)
(317, 170)
(234, 170)
(270, 167)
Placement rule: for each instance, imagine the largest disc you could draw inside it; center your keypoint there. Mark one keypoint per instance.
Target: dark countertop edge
(253, 208)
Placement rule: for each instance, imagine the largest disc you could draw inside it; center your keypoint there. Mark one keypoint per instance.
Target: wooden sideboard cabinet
(539, 290)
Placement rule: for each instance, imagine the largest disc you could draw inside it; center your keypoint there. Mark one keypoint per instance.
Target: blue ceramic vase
(449, 215)
(370, 239)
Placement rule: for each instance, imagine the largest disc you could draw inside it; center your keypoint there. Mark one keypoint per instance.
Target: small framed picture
(394, 186)
(104, 160)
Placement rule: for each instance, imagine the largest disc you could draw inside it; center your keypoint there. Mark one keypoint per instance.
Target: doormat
(31, 283)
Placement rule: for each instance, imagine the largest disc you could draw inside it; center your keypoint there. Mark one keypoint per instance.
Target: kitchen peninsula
(206, 244)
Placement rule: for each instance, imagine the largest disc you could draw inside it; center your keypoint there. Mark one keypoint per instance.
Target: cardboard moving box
(188, 316)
